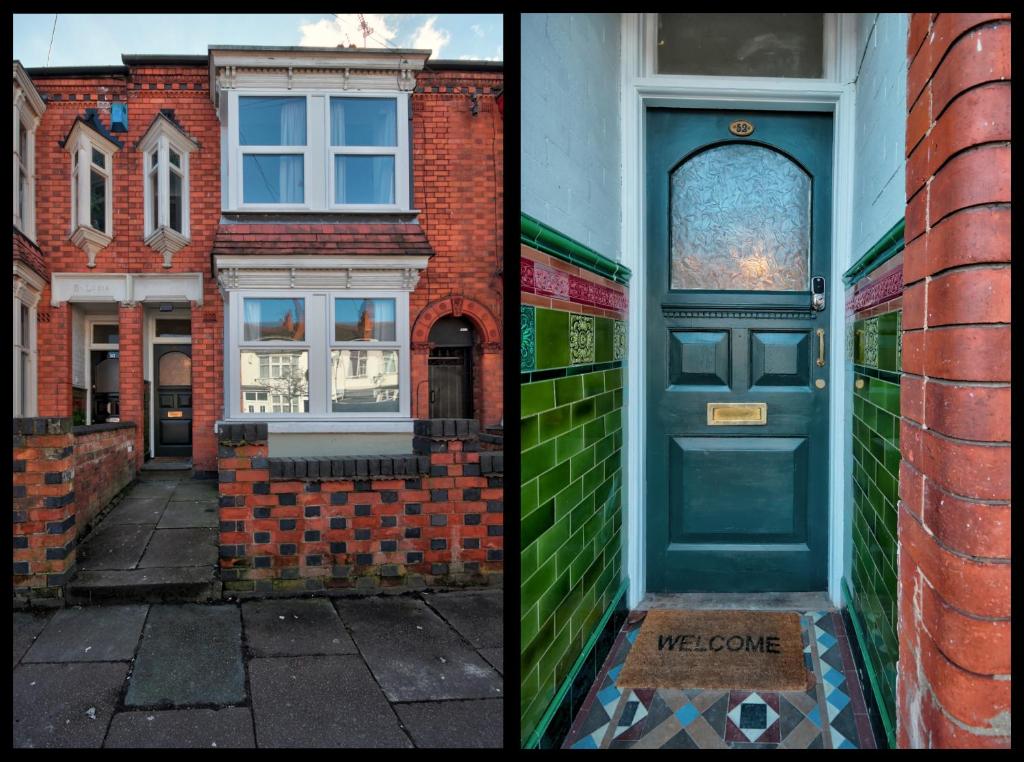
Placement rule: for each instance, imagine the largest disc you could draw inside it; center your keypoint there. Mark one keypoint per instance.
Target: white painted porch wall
(880, 132)
(78, 351)
(571, 157)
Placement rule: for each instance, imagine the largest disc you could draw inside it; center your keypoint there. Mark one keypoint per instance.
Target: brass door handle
(821, 347)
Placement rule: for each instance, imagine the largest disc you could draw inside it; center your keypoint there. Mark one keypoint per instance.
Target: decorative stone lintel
(90, 240)
(168, 242)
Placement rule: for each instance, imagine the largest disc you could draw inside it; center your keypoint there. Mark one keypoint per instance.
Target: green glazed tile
(580, 463)
(553, 539)
(603, 403)
(555, 422)
(593, 384)
(533, 588)
(568, 499)
(581, 339)
(535, 523)
(528, 561)
(613, 378)
(887, 342)
(552, 482)
(528, 496)
(537, 460)
(582, 411)
(569, 389)
(570, 443)
(552, 338)
(602, 340)
(528, 432)
(527, 338)
(592, 479)
(535, 397)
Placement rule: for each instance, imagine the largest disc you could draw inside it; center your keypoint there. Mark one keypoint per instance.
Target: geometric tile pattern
(830, 715)
(581, 338)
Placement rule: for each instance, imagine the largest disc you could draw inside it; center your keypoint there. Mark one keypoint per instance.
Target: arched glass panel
(741, 220)
(175, 369)
(106, 376)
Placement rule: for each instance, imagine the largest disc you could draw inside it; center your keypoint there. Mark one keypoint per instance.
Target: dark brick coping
(32, 426)
(96, 428)
(367, 467)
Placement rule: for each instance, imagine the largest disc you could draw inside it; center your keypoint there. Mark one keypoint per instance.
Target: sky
(100, 39)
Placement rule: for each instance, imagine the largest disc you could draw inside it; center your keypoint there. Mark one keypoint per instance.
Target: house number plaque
(742, 128)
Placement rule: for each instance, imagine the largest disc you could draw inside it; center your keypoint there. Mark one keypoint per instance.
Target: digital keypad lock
(818, 293)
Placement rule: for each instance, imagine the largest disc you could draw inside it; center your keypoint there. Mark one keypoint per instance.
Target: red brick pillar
(207, 381)
(953, 685)
(491, 377)
(54, 342)
(131, 388)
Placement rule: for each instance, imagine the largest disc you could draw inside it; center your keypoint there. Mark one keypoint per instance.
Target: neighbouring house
(765, 341)
(294, 248)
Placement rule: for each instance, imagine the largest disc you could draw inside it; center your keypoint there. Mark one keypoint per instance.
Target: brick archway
(487, 381)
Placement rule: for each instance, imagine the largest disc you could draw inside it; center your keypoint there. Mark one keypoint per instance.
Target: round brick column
(953, 685)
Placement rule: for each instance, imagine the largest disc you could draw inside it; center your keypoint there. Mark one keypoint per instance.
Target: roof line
(464, 65)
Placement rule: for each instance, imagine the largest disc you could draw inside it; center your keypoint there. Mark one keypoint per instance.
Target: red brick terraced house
(295, 250)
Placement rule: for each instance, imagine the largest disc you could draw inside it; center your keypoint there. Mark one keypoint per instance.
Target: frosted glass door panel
(740, 220)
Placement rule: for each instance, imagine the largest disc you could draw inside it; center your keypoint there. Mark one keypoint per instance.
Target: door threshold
(166, 463)
(810, 601)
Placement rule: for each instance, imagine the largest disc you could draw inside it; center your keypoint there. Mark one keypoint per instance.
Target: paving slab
(114, 546)
(137, 510)
(27, 626)
(454, 724)
(95, 633)
(181, 514)
(294, 627)
(181, 547)
(164, 476)
(192, 490)
(493, 656)
(476, 614)
(191, 654)
(152, 489)
(414, 654)
(229, 728)
(320, 701)
(52, 703)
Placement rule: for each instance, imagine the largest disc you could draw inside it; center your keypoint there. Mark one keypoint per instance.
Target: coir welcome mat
(744, 650)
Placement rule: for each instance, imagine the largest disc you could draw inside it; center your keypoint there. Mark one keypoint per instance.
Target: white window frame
(401, 158)
(25, 164)
(91, 321)
(318, 154)
(319, 342)
(163, 141)
(28, 298)
(80, 182)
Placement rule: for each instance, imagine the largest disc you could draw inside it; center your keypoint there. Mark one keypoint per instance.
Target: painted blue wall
(881, 122)
(571, 170)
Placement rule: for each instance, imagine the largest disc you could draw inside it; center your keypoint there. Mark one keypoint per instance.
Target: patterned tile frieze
(527, 338)
(619, 348)
(889, 286)
(543, 280)
(581, 339)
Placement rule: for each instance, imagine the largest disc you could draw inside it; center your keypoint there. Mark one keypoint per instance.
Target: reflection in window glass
(363, 122)
(98, 158)
(741, 44)
(274, 319)
(175, 369)
(364, 179)
(175, 199)
(740, 220)
(104, 334)
(272, 179)
(364, 319)
(271, 121)
(174, 327)
(364, 380)
(98, 201)
(288, 389)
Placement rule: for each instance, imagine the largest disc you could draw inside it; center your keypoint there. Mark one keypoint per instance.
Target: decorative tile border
(581, 339)
(543, 280)
(889, 286)
(619, 341)
(527, 338)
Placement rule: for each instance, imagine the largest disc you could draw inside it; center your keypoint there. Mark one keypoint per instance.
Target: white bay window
(166, 149)
(92, 173)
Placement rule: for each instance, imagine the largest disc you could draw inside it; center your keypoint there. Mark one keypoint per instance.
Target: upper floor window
(166, 148)
(318, 151)
(28, 109)
(92, 170)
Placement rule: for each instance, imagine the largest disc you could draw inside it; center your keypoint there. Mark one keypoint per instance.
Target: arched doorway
(450, 368)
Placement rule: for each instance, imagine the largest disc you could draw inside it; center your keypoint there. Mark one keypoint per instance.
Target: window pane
(740, 220)
(174, 327)
(275, 319)
(175, 201)
(364, 381)
(154, 196)
(154, 159)
(271, 121)
(98, 201)
(98, 158)
(22, 142)
(175, 157)
(272, 179)
(741, 44)
(25, 382)
(104, 334)
(26, 326)
(22, 196)
(175, 369)
(290, 386)
(364, 179)
(364, 319)
(363, 122)
(106, 376)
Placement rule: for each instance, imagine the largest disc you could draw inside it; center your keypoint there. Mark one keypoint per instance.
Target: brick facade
(433, 517)
(457, 184)
(953, 684)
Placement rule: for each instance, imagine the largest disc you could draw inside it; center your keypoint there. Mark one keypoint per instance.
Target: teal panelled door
(739, 225)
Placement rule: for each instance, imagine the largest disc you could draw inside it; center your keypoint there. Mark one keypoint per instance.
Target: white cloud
(429, 37)
(343, 29)
(477, 30)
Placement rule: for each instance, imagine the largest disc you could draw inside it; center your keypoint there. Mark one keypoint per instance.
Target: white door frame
(640, 89)
(152, 313)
